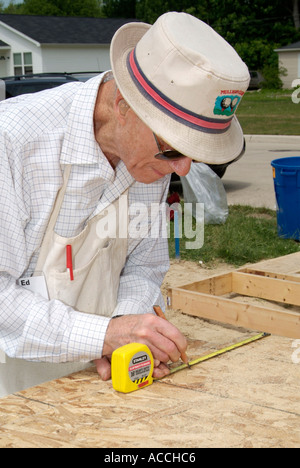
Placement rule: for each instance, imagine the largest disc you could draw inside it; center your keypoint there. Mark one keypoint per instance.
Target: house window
(23, 63)
(18, 64)
(27, 63)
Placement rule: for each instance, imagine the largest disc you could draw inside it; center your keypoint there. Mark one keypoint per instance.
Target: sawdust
(184, 272)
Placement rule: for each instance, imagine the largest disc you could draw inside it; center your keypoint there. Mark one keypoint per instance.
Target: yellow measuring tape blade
(219, 352)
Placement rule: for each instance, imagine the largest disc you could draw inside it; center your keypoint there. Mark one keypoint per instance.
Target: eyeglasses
(173, 155)
(167, 155)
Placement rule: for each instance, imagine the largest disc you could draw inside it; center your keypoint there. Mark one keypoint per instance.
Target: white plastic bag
(202, 185)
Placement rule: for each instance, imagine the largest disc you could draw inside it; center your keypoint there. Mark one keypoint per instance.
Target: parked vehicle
(256, 80)
(84, 76)
(24, 84)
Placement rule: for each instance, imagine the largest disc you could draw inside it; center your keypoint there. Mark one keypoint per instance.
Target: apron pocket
(95, 286)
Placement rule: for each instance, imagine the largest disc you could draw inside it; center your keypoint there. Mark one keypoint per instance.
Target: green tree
(296, 15)
(119, 8)
(253, 27)
(12, 8)
(234, 19)
(150, 10)
(90, 8)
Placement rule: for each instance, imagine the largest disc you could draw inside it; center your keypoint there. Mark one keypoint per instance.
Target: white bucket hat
(185, 82)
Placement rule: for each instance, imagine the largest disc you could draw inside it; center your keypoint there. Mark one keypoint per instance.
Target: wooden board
(206, 299)
(286, 265)
(246, 398)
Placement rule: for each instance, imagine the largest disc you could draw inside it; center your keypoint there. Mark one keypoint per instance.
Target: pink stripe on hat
(214, 125)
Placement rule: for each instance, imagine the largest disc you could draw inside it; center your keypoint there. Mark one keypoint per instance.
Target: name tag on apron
(36, 284)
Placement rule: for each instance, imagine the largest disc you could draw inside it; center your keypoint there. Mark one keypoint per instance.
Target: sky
(6, 2)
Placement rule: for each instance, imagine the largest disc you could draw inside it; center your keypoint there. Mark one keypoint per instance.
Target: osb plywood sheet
(289, 264)
(246, 398)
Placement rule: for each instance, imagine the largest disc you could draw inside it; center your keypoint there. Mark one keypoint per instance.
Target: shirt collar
(80, 145)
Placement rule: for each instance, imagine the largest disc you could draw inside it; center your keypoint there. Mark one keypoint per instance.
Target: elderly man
(74, 284)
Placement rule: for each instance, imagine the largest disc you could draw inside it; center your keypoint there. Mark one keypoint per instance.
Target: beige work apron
(99, 255)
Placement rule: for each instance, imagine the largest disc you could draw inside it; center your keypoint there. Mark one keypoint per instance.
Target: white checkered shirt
(40, 133)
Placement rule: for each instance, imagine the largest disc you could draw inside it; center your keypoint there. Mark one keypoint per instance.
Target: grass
(248, 236)
(268, 112)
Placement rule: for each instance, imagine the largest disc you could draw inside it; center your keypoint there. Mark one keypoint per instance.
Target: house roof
(289, 48)
(65, 29)
(3, 44)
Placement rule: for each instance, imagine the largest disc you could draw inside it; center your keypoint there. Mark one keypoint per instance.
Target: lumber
(272, 289)
(206, 298)
(279, 322)
(288, 264)
(271, 274)
(217, 285)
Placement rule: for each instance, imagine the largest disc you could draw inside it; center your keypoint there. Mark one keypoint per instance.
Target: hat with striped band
(185, 82)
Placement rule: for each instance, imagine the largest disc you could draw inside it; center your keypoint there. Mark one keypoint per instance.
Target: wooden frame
(206, 299)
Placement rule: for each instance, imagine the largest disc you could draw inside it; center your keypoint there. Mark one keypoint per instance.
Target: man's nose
(181, 167)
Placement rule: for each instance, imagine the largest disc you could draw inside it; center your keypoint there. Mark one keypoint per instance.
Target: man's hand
(163, 339)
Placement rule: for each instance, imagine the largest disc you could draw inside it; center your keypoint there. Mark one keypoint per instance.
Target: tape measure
(219, 352)
(132, 365)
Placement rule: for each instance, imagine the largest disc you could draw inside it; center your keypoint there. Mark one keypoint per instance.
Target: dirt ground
(184, 272)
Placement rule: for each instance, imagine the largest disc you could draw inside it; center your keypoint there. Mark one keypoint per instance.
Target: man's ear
(121, 105)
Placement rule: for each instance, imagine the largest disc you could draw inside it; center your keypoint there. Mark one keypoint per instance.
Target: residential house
(289, 59)
(43, 44)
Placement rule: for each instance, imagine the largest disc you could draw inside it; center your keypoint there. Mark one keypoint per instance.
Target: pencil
(159, 313)
(70, 262)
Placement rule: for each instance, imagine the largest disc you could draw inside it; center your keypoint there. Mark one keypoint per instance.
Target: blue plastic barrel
(286, 175)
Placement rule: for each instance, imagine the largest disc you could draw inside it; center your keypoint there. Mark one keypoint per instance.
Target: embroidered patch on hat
(226, 104)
